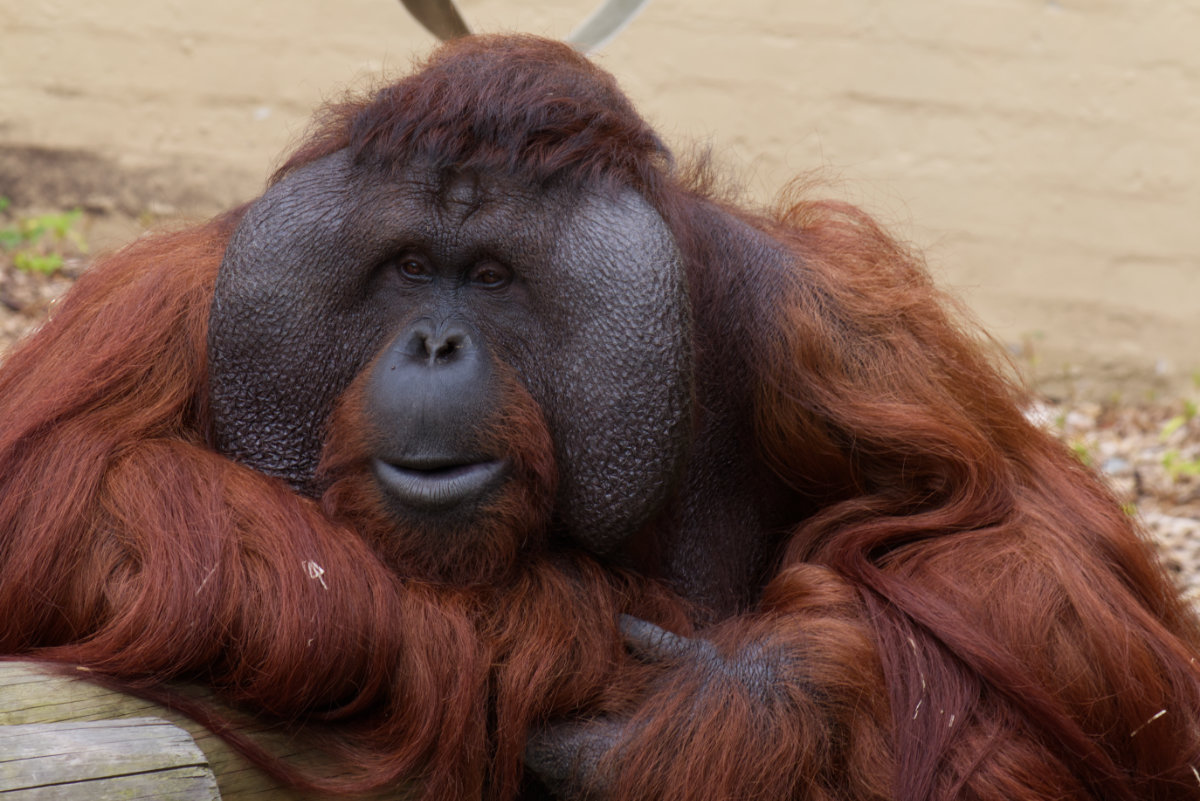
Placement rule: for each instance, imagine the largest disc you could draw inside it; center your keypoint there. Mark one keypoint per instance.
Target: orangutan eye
(413, 268)
(491, 275)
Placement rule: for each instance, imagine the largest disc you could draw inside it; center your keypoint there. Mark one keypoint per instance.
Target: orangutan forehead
(466, 190)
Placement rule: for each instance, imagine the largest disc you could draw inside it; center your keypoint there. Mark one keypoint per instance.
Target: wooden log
(101, 760)
(31, 695)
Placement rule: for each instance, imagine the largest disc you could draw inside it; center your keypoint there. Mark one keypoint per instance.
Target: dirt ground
(1044, 155)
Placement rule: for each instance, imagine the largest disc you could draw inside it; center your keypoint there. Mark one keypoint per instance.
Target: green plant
(35, 263)
(1178, 421)
(38, 243)
(1082, 452)
(1177, 465)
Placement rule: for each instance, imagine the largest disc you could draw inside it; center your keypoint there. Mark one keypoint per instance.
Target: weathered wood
(104, 759)
(31, 694)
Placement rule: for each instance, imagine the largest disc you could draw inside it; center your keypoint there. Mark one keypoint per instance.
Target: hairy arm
(760, 707)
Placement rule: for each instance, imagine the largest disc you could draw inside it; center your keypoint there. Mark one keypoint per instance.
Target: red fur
(965, 610)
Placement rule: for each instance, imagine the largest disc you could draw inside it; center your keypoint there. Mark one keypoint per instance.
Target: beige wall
(1046, 154)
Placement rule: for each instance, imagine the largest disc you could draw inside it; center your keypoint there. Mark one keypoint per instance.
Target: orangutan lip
(433, 483)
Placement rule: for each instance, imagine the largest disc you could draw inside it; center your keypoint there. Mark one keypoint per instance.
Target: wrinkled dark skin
(428, 281)
(539, 281)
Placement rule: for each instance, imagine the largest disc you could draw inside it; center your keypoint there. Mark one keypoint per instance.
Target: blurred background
(1044, 154)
